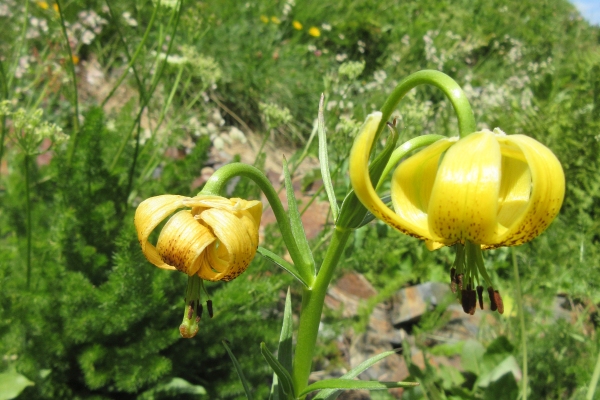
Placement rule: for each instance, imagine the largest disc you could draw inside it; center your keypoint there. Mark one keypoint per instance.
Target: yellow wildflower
(75, 59)
(264, 19)
(216, 239)
(275, 20)
(297, 25)
(483, 191)
(314, 31)
(42, 4)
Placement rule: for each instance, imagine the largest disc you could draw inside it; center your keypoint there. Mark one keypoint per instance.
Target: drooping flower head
(483, 191)
(214, 238)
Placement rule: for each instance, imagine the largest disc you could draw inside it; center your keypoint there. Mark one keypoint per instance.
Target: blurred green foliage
(100, 322)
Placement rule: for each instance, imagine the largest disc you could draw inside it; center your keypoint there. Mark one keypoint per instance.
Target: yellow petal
(515, 187)
(464, 198)
(182, 241)
(412, 183)
(148, 215)
(361, 181)
(547, 192)
(237, 235)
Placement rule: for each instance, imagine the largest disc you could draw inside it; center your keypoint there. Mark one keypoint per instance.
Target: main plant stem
(312, 307)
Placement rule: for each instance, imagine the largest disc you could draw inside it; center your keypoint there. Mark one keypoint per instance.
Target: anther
(200, 309)
(209, 307)
(472, 302)
(493, 304)
(190, 311)
(499, 303)
(464, 297)
(480, 296)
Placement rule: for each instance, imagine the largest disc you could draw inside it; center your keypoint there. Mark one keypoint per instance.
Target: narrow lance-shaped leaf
(285, 349)
(332, 394)
(349, 384)
(307, 269)
(238, 369)
(324, 161)
(291, 268)
(283, 375)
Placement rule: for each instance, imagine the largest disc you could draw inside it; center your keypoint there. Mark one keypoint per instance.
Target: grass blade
(349, 384)
(238, 369)
(324, 161)
(285, 349)
(283, 375)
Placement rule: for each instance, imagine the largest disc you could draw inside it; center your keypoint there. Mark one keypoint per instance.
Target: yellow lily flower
(216, 238)
(483, 191)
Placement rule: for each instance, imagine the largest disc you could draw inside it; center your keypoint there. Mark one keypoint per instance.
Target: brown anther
(197, 319)
(200, 310)
(453, 280)
(464, 297)
(190, 311)
(499, 303)
(209, 307)
(480, 296)
(472, 302)
(459, 280)
(493, 304)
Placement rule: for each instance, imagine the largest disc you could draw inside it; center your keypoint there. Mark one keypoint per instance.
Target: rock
(411, 303)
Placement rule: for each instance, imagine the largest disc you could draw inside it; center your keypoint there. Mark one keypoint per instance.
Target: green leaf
(332, 394)
(282, 374)
(349, 384)
(508, 365)
(291, 268)
(176, 386)
(308, 267)
(285, 349)
(324, 161)
(238, 369)
(12, 384)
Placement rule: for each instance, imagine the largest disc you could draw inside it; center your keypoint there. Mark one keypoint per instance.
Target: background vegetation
(84, 315)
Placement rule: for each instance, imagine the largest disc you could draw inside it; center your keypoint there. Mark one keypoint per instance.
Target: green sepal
(274, 258)
(350, 384)
(332, 394)
(352, 211)
(283, 375)
(285, 348)
(305, 266)
(324, 161)
(238, 369)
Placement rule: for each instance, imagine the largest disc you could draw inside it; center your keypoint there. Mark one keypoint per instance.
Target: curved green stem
(519, 300)
(312, 307)
(216, 185)
(464, 113)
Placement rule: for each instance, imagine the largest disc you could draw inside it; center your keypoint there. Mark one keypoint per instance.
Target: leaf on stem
(283, 375)
(324, 161)
(349, 384)
(307, 269)
(285, 349)
(332, 394)
(291, 268)
(238, 369)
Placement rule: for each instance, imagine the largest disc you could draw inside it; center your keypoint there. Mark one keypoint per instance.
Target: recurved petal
(148, 215)
(412, 184)
(464, 198)
(547, 192)
(182, 241)
(362, 185)
(237, 235)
